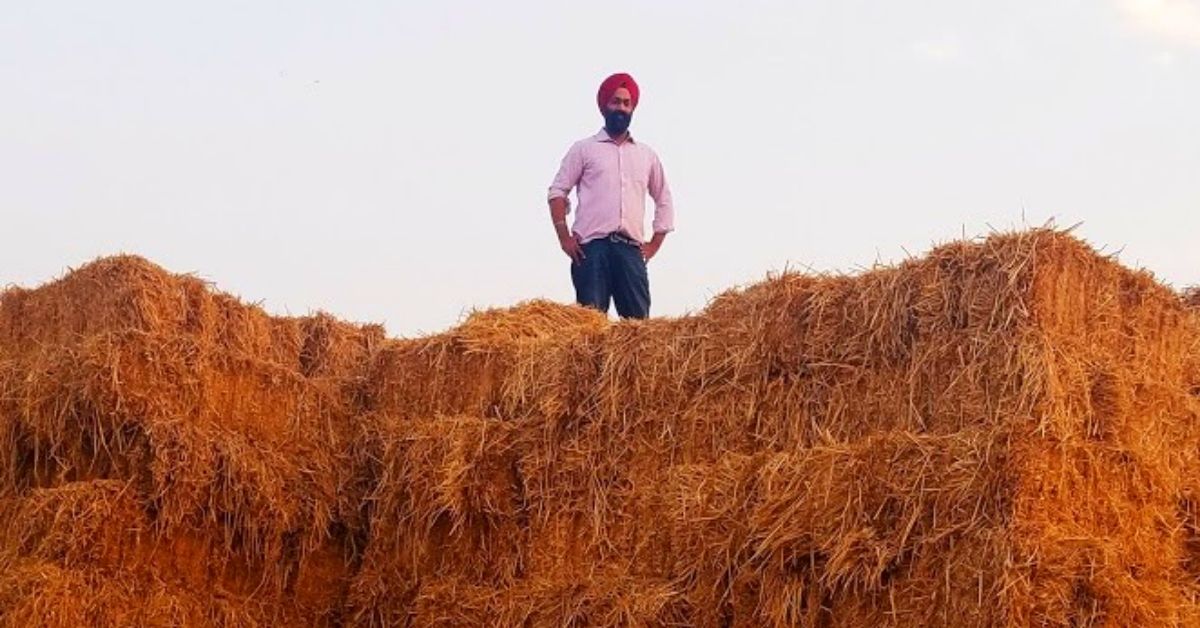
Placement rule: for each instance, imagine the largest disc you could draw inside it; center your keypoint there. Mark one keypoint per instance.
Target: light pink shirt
(613, 180)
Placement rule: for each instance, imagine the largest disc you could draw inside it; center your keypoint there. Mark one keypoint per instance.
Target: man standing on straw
(613, 173)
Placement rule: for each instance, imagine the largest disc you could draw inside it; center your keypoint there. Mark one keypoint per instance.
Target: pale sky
(388, 161)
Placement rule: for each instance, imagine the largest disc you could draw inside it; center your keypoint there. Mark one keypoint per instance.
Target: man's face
(621, 101)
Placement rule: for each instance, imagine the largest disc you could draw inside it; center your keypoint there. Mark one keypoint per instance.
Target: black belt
(621, 238)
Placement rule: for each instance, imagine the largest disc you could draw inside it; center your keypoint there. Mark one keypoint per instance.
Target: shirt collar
(602, 136)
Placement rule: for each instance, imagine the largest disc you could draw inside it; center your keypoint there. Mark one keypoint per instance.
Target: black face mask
(616, 122)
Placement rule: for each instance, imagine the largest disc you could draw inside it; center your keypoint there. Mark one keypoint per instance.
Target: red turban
(612, 84)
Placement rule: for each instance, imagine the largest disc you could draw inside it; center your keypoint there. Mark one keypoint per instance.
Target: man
(613, 173)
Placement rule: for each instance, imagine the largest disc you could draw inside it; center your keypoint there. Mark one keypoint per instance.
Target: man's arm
(650, 249)
(567, 178)
(664, 209)
(558, 215)
(567, 241)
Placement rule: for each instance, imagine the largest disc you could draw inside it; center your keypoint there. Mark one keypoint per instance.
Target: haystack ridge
(1001, 433)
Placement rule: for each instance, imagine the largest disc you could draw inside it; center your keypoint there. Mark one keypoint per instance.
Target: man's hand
(650, 249)
(572, 248)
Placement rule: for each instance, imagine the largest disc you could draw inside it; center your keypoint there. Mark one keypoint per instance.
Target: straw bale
(244, 447)
(379, 595)
(889, 529)
(232, 427)
(700, 523)
(36, 593)
(1110, 450)
(94, 522)
(901, 529)
(130, 293)
(602, 601)
(448, 500)
(102, 526)
(608, 599)
(863, 510)
(126, 292)
(531, 358)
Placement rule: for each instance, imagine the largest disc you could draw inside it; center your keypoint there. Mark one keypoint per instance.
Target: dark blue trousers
(612, 270)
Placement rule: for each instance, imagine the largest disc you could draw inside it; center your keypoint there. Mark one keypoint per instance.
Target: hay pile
(1000, 433)
(171, 455)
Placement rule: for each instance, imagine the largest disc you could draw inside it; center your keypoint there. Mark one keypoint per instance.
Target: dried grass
(1002, 432)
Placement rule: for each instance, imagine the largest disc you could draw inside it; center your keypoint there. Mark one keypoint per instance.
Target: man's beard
(616, 122)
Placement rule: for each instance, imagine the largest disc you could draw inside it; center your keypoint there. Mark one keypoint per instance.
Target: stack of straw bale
(171, 455)
(1003, 432)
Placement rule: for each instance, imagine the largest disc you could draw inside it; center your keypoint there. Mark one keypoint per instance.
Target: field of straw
(1001, 433)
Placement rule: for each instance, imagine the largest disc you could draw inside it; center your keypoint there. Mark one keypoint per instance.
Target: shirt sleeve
(660, 191)
(568, 174)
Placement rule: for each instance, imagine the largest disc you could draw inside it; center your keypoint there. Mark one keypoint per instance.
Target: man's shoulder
(644, 145)
(581, 144)
(646, 148)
